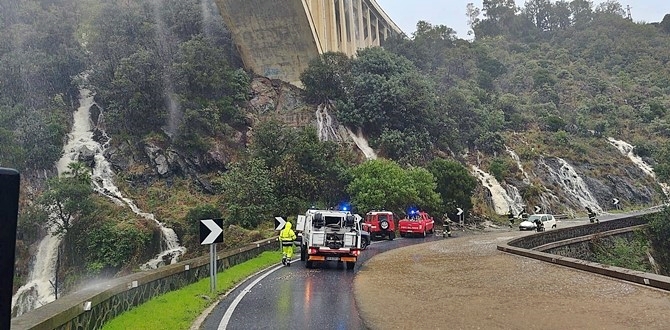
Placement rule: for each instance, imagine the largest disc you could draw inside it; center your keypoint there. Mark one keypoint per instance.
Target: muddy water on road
(465, 283)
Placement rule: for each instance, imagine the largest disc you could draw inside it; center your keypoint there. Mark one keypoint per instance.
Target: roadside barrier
(90, 308)
(533, 246)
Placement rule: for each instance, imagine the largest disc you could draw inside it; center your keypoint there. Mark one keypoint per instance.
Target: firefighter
(286, 237)
(446, 222)
(510, 217)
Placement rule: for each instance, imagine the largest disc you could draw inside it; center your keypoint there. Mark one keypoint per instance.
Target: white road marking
(233, 305)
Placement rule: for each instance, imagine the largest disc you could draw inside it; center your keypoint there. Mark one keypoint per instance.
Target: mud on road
(466, 283)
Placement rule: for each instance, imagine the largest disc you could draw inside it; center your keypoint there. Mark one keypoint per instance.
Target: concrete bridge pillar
(278, 38)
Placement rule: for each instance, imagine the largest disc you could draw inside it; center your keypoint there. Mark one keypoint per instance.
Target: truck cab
(330, 235)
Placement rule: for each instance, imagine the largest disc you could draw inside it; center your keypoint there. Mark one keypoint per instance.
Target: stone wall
(570, 242)
(109, 299)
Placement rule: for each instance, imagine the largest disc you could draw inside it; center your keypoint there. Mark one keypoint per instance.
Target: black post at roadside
(9, 209)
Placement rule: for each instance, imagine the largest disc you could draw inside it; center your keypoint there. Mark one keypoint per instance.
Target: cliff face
(555, 180)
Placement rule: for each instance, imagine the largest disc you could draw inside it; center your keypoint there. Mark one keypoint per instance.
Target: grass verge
(177, 310)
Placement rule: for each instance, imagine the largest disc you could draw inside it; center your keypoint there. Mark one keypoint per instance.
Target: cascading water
(362, 144)
(516, 158)
(567, 178)
(327, 131)
(103, 183)
(39, 290)
(502, 202)
(627, 150)
(325, 125)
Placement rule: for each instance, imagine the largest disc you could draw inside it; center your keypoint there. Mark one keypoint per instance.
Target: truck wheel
(391, 236)
(402, 234)
(303, 253)
(350, 265)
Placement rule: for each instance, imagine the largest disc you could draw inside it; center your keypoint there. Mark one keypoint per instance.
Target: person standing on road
(286, 237)
(510, 217)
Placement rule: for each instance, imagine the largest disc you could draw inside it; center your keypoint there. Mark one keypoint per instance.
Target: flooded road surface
(466, 283)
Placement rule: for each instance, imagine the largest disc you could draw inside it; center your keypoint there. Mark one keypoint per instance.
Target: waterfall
(325, 125)
(39, 291)
(516, 158)
(362, 144)
(627, 150)
(502, 202)
(567, 178)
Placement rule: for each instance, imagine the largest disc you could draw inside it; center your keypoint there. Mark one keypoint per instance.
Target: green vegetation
(659, 235)
(624, 253)
(548, 79)
(384, 185)
(179, 309)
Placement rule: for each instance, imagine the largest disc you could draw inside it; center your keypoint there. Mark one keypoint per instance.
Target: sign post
(211, 232)
(460, 218)
(615, 201)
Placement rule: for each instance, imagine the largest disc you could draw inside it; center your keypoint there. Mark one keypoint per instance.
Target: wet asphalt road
(299, 298)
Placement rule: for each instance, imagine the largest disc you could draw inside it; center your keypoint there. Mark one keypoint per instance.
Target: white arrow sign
(215, 231)
(615, 201)
(280, 223)
(537, 209)
(460, 211)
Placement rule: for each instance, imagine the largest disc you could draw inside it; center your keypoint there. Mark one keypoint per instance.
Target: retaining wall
(90, 308)
(547, 246)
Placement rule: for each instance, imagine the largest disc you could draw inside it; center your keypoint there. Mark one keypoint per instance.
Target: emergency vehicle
(329, 235)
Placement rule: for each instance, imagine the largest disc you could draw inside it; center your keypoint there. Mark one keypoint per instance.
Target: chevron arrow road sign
(279, 223)
(211, 231)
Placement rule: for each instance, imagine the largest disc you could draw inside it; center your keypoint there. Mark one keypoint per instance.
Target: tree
(135, 97)
(66, 200)
(327, 77)
(659, 230)
(539, 12)
(612, 7)
(582, 11)
(306, 170)
(454, 184)
(559, 19)
(202, 71)
(472, 13)
(383, 184)
(248, 193)
(499, 10)
(386, 92)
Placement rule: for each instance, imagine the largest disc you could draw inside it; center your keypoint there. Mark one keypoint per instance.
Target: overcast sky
(451, 13)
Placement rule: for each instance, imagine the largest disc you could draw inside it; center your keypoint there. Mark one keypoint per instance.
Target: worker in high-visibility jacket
(286, 237)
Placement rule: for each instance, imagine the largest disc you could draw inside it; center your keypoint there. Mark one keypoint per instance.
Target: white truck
(329, 235)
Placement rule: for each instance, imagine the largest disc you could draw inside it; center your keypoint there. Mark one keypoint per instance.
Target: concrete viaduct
(278, 38)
